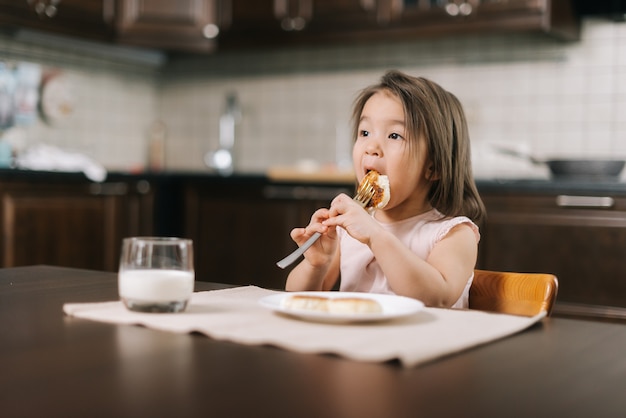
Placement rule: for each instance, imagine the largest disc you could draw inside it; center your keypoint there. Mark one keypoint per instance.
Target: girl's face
(382, 144)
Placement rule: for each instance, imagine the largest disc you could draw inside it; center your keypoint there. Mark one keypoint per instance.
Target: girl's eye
(395, 136)
(364, 133)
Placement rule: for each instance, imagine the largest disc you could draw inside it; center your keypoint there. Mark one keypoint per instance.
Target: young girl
(424, 243)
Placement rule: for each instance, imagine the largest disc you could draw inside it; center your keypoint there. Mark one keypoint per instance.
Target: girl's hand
(348, 214)
(320, 253)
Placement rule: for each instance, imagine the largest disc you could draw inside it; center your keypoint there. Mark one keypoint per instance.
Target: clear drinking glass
(156, 274)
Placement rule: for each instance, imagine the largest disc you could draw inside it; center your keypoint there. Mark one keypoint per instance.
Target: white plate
(57, 99)
(393, 307)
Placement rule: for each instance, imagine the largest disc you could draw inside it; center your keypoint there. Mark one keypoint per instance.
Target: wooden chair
(524, 294)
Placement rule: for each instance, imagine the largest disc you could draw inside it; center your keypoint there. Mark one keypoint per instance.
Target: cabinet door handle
(108, 189)
(585, 201)
(108, 11)
(293, 14)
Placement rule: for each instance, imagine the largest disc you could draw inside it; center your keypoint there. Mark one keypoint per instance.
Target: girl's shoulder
(431, 222)
(439, 225)
(444, 224)
(433, 216)
(431, 227)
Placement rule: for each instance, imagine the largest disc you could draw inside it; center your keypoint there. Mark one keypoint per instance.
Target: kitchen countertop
(485, 185)
(577, 186)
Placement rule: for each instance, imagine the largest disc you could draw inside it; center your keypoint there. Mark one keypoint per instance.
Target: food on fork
(373, 193)
(380, 183)
(338, 305)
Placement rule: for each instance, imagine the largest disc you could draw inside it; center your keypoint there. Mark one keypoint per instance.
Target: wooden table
(54, 365)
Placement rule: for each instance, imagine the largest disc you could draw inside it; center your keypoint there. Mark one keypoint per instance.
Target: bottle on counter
(156, 146)
(7, 96)
(6, 154)
(28, 79)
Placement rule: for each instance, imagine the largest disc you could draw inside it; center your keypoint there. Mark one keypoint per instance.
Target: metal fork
(363, 196)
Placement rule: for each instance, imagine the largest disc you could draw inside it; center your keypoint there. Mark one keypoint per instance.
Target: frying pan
(583, 169)
(586, 168)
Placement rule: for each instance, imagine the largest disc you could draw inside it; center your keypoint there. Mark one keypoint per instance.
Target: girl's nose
(373, 147)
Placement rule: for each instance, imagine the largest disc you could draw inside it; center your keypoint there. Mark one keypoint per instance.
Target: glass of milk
(156, 274)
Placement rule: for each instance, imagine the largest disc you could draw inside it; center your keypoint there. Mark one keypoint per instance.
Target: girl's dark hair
(437, 116)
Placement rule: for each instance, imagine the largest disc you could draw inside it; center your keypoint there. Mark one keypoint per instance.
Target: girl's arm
(437, 281)
(320, 268)
(306, 276)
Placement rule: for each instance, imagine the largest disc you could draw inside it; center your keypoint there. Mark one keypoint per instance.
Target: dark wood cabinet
(250, 23)
(241, 225)
(90, 19)
(200, 26)
(293, 22)
(71, 223)
(187, 25)
(578, 237)
(297, 22)
(554, 17)
(241, 229)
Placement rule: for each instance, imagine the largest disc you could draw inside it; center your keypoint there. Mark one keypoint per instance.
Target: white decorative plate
(57, 99)
(393, 307)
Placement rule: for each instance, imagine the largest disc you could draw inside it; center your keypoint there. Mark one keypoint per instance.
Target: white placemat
(235, 315)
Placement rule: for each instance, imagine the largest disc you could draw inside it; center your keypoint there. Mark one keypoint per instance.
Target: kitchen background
(530, 92)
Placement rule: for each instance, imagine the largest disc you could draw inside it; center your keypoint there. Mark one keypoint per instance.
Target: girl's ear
(431, 175)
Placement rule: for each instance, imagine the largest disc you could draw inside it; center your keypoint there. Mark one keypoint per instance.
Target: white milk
(156, 285)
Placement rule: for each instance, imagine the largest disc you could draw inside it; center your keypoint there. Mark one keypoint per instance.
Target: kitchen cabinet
(185, 25)
(296, 22)
(555, 17)
(250, 23)
(89, 19)
(189, 25)
(200, 26)
(241, 225)
(579, 237)
(71, 222)
(284, 22)
(241, 228)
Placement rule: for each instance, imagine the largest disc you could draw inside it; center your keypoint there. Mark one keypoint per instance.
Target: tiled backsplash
(114, 95)
(530, 92)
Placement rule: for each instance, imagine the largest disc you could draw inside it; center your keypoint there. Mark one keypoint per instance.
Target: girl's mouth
(367, 170)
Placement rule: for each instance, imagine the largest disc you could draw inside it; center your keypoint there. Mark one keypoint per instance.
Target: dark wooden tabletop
(54, 365)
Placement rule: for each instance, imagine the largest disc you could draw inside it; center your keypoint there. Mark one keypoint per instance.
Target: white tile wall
(530, 92)
(549, 98)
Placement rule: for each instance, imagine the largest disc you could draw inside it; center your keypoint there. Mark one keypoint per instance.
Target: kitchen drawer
(579, 238)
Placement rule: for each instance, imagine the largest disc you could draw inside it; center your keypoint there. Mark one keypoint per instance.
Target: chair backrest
(524, 294)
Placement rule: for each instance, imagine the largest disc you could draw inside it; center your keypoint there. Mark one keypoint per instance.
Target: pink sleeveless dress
(361, 273)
